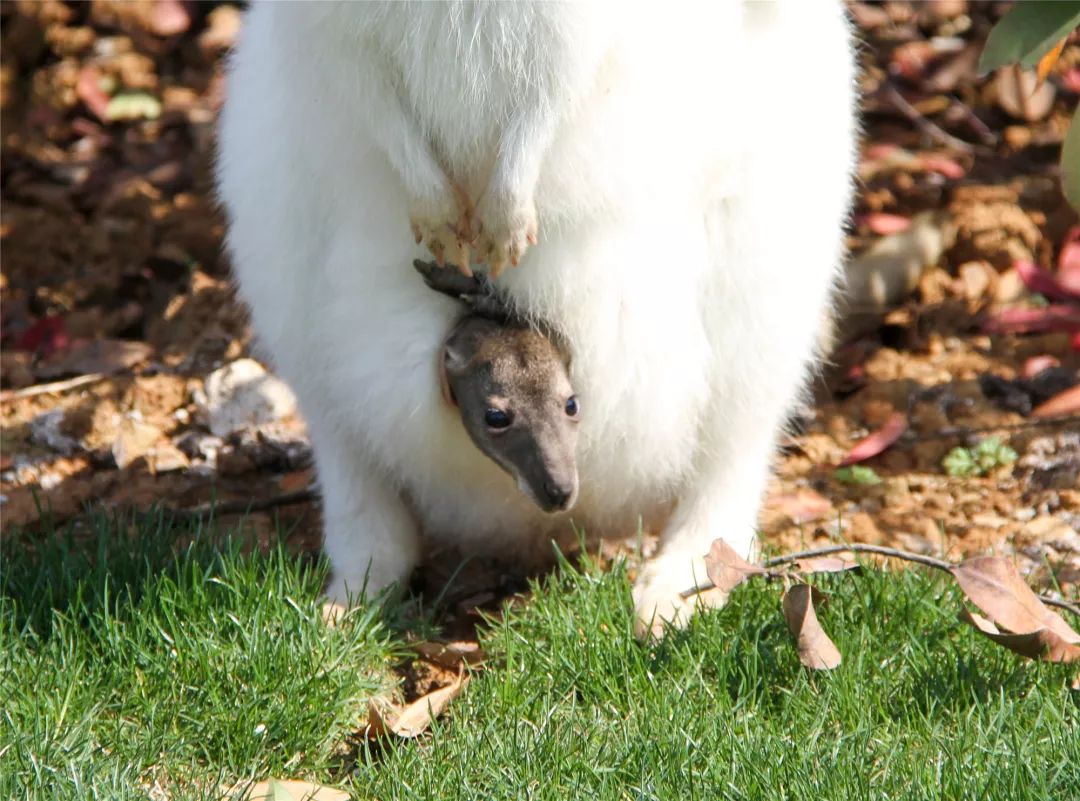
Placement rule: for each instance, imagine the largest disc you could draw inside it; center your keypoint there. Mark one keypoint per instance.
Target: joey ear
(451, 362)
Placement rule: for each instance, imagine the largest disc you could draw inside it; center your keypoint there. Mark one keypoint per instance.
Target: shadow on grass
(108, 561)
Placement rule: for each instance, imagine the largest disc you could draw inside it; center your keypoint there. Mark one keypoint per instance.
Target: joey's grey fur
(493, 362)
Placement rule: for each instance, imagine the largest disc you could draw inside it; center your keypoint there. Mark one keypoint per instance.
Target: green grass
(138, 662)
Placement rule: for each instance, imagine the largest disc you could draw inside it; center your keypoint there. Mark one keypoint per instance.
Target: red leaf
(943, 166)
(1064, 403)
(885, 224)
(1071, 80)
(878, 441)
(1036, 364)
(1068, 274)
(1055, 317)
(89, 91)
(1045, 283)
(46, 336)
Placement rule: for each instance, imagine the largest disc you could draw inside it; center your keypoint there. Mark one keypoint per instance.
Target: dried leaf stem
(893, 97)
(52, 387)
(880, 550)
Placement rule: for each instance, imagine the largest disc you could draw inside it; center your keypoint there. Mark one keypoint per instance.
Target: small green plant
(857, 474)
(978, 461)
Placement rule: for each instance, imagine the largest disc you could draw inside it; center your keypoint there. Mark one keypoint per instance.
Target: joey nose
(557, 495)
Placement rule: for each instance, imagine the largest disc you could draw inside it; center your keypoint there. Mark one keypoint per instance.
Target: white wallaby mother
(673, 181)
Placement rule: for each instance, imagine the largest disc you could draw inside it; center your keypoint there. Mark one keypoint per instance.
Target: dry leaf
(97, 356)
(993, 584)
(333, 613)
(816, 650)
(878, 441)
(417, 717)
(727, 569)
(453, 655)
(286, 790)
(802, 505)
(134, 440)
(1067, 402)
(826, 564)
(1041, 644)
(1021, 96)
(885, 224)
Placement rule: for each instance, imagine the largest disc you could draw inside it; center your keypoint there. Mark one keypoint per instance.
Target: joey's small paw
(503, 229)
(658, 600)
(442, 224)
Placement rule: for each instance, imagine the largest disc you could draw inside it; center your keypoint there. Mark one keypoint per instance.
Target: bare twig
(244, 507)
(964, 431)
(50, 388)
(880, 550)
(891, 95)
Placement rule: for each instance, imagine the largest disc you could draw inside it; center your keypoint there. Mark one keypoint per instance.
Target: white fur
(688, 167)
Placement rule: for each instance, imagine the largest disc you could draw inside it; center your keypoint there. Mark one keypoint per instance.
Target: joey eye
(572, 406)
(497, 419)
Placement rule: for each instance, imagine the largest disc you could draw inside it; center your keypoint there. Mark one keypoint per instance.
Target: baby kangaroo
(509, 382)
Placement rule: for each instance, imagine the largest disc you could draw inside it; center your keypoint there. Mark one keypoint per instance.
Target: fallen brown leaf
(453, 655)
(1020, 94)
(816, 650)
(286, 790)
(994, 585)
(417, 717)
(1041, 644)
(97, 356)
(134, 440)
(802, 505)
(726, 569)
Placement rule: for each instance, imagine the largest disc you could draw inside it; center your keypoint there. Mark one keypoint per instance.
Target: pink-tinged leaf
(885, 224)
(816, 650)
(1055, 317)
(1070, 80)
(726, 569)
(88, 90)
(170, 17)
(452, 655)
(802, 506)
(1062, 404)
(1042, 644)
(994, 585)
(1068, 273)
(878, 441)
(1045, 283)
(880, 151)
(942, 166)
(826, 564)
(47, 336)
(1036, 364)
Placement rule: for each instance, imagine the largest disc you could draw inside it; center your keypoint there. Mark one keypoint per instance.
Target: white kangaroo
(673, 181)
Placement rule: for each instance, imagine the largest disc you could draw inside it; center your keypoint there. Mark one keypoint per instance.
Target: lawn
(134, 668)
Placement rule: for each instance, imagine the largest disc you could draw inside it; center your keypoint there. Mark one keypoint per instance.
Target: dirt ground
(121, 334)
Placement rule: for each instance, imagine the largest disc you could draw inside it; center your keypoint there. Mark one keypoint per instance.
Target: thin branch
(880, 550)
(244, 507)
(964, 431)
(891, 95)
(51, 388)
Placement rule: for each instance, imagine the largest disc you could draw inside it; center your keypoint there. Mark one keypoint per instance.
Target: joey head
(509, 382)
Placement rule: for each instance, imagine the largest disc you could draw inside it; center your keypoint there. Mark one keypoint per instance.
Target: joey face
(511, 387)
